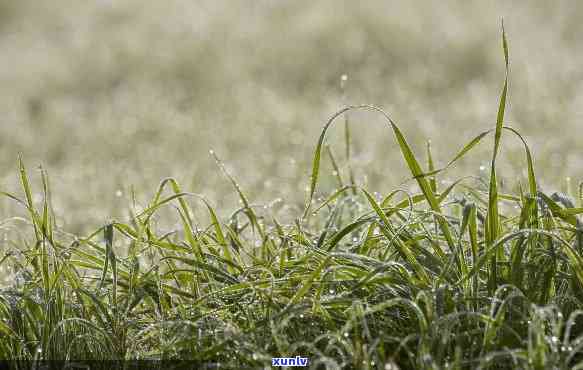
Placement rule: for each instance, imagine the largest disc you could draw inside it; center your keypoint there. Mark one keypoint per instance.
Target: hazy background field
(112, 94)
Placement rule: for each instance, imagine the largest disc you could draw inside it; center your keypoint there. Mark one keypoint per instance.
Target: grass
(129, 93)
(455, 277)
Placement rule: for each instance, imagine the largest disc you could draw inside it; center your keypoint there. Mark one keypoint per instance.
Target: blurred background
(110, 96)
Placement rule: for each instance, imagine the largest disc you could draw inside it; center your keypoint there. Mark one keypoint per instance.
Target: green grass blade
(493, 219)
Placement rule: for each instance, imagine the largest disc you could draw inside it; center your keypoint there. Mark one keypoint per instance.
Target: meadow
(211, 193)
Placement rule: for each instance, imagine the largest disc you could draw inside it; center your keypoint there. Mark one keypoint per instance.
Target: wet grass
(457, 275)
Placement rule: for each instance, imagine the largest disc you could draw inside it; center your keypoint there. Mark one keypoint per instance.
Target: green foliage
(454, 278)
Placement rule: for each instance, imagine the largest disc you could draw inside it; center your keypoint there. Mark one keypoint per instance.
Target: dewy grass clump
(451, 277)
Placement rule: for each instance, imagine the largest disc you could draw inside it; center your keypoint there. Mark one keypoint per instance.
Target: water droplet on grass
(118, 193)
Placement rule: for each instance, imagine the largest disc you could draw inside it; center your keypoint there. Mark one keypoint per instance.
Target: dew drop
(118, 193)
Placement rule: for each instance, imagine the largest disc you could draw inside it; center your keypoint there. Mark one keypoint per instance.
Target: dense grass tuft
(457, 276)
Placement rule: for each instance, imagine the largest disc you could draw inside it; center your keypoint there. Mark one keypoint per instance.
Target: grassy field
(192, 207)
(109, 95)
